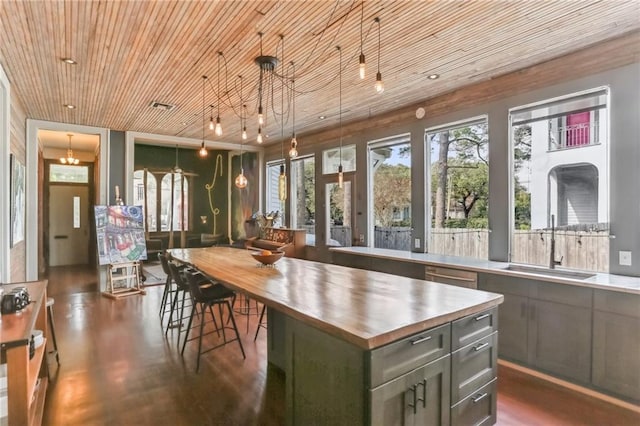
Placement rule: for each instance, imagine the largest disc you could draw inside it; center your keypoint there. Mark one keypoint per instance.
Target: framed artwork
(120, 234)
(17, 211)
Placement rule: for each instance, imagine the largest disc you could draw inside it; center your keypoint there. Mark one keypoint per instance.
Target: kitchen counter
(368, 309)
(620, 283)
(354, 343)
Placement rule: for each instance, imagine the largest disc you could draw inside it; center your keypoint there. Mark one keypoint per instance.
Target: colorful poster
(120, 234)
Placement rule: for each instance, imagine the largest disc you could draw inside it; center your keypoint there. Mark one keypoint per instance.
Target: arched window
(174, 202)
(148, 191)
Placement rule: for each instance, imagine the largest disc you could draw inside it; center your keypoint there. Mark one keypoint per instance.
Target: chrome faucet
(552, 256)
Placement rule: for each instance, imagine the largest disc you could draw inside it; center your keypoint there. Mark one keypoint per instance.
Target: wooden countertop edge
(376, 341)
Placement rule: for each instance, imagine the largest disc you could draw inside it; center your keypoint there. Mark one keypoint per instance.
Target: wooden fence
(586, 250)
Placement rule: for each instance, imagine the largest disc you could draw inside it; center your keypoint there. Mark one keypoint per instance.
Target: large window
(174, 202)
(333, 157)
(561, 182)
(303, 195)
(273, 202)
(146, 190)
(459, 189)
(390, 192)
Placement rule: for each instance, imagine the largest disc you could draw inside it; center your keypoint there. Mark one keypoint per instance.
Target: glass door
(339, 213)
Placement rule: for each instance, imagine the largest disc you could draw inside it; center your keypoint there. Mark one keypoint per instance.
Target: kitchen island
(363, 347)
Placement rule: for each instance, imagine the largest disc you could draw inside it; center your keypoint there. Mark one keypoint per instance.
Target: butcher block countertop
(368, 309)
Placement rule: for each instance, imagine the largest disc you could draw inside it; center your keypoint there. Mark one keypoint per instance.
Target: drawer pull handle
(414, 392)
(479, 398)
(480, 347)
(424, 393)
(420, 340)
(451, 277)
(481, 317)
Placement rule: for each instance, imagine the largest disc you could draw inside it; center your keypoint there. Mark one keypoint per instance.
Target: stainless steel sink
(563, 273)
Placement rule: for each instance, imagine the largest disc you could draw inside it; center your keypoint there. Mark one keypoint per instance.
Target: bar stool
(50, 302)
(170, 289)
(245, 308)
(261, 324)
(207, 297)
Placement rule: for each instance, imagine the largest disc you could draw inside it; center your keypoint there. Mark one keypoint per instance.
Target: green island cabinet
(587, 336)
(443, 376)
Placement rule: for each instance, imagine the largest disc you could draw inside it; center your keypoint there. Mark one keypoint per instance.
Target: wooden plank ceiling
(131, 53)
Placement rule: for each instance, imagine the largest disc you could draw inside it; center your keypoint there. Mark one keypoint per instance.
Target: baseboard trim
(572, 386)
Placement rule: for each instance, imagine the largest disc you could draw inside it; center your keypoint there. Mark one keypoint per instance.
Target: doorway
(68, 215)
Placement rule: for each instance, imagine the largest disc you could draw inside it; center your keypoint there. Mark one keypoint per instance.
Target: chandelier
(69, 159)
(274, 76)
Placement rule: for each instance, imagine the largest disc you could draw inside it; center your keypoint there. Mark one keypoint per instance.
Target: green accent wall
(163, 159)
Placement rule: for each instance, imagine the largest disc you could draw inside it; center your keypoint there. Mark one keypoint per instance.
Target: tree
(470, 184)
(304, 176)
(392, 190)
(461, 149)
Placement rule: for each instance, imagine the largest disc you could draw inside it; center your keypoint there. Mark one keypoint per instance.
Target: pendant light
(218, 127)
(69, 159)
(259, 137)
(379, 84)
(241, 179)
(282, 179)
(293, 152)
(243, 113)
(202, 152)
(211, 122)
(340, 176)
(362, 66)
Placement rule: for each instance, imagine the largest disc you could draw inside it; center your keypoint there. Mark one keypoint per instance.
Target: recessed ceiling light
(433, 76)
(322, 117)
(69, 106)
(69, 61)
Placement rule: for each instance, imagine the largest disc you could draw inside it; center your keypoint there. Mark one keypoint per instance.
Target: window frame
(482, 119)
(391, 141)
(598, 115)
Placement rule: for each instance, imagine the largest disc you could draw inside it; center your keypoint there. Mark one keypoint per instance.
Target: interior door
(68, 225)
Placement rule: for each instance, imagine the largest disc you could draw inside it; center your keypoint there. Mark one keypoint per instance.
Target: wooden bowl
(268, 259)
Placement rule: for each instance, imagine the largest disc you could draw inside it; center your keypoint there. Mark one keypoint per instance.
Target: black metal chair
(206, 297)
(169, 287)
(182, 295)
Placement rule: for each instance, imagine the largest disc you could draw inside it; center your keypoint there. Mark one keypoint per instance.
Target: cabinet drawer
(457, 277)
(562, 293)
(473, 327)
(398, 358)
(617, 302)
(473, 366)
(479, 408)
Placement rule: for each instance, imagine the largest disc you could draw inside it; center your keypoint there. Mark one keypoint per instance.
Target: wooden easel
(124, 280)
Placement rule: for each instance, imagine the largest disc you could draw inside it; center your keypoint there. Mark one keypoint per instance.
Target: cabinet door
(560, 339)
(417, 398)
(512, 327)
(616, 349)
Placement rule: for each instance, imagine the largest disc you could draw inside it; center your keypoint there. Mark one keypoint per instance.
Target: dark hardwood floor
(117, 368)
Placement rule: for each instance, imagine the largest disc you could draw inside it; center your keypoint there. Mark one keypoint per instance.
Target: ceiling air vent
(162, 106)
